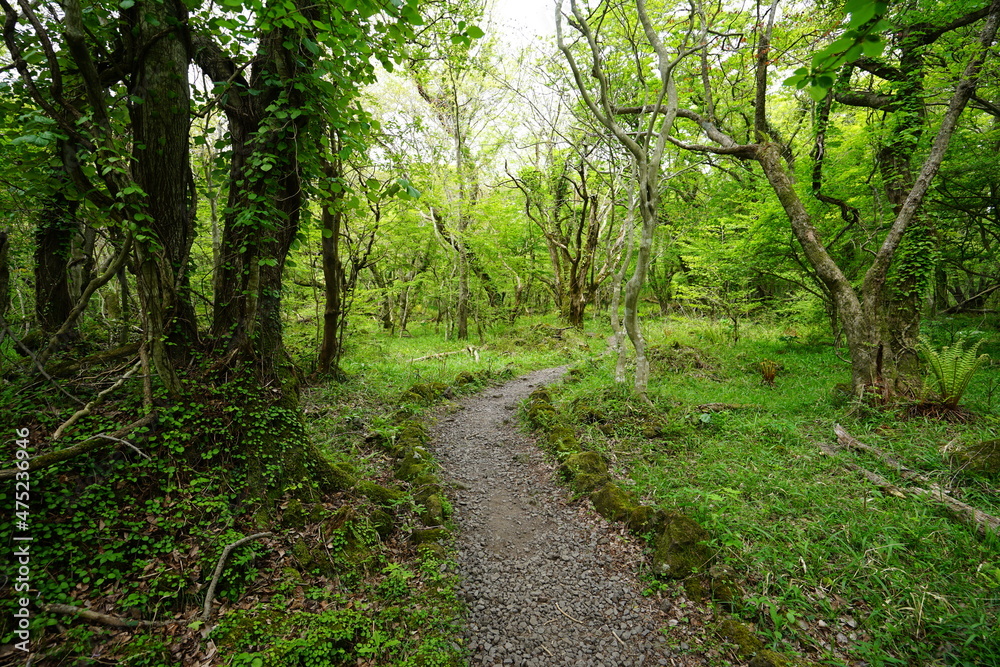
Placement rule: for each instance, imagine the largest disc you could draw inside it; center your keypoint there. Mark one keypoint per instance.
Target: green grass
(811, 539)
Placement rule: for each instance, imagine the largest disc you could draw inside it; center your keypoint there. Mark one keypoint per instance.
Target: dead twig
(91, 443)
(567, 615)
(618, 638)
(89, 407)
(38, 364)
(118, 622)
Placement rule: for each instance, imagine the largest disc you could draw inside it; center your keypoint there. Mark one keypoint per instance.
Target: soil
(546, 580)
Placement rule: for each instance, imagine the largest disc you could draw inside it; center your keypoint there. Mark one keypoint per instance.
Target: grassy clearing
(833, 567)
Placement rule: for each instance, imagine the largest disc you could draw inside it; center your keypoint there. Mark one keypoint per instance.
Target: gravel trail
(547, 582)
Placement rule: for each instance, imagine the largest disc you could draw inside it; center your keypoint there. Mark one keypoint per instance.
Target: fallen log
(440, 355)
(982, 522)
(848, 440)
(719, 407)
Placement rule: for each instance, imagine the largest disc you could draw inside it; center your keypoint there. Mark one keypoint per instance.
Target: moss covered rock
(425, 393)
(748, 645)
(613, 502)
(412, 434)
(429, 535)
(294, 515)
(424, 487)
(585, 471)
(382, 522)
(413, 464)
(768, 658)
(562, 441)
(680, 548)
(646, 520)
(433, 513)
(734, 632)
(378, 494)
(464, 378)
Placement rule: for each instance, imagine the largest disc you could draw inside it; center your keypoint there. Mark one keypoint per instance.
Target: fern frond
(952, 368)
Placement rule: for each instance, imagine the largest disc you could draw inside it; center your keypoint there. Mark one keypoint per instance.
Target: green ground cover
(830, 564)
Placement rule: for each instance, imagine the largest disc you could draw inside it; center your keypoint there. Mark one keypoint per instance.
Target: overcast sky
(525, 18)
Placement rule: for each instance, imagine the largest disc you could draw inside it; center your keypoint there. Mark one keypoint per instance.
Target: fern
(952, 367)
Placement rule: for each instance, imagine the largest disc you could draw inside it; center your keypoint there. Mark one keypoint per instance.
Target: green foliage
(862, 37)
(951, 368)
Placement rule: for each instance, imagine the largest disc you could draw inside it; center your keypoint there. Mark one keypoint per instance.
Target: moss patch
(746, 641)
(585, 471)
(425, 393)
(429, 535)
(562, 441)
(413, 465)
(613, 502)
(680, 548)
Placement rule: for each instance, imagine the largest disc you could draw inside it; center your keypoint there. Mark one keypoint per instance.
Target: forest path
(547, 581)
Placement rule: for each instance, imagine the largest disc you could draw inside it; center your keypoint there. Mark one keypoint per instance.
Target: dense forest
(248, 248)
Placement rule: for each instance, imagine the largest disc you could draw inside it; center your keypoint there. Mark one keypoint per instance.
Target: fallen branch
(719, 407)
(64, 368)
(471, 350)
(38, 364)
(210, 595)
(106, 619)
(91, 443)
(89, 407)
(981, 521)
(118, 622)
(848, 440)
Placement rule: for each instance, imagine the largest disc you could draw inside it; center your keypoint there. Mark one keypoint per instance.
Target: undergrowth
(831, 566)
(136, 533)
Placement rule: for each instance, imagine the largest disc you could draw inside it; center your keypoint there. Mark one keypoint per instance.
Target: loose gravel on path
(547, 581)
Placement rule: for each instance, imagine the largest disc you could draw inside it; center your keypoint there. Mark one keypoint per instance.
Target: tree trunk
(333, 282)
(161, 156)
(616, 325)
(333, 270)
(53, 238)
(263, 208)
(4, 274)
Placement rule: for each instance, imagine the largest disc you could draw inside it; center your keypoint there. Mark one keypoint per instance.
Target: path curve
(547, 582)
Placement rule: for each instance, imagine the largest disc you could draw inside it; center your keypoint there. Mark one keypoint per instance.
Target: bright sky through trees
(524, 19)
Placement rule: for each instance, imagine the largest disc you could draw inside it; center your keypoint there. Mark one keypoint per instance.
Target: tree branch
(91, 443)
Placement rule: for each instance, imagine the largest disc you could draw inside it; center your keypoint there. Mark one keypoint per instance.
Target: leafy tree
(862, 312)
(110, 89)
(647, 145)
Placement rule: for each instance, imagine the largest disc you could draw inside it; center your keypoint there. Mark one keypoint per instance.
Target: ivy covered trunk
(53, 238)
(161, 155)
